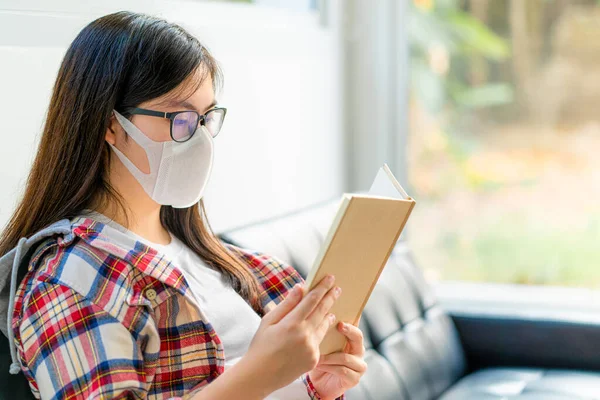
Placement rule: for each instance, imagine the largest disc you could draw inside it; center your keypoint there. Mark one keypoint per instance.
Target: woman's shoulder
(82, 263)
(78, 264)
(275, 276)
(92, 273)
(260, 261)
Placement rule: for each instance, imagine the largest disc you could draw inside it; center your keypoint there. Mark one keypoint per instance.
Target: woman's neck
(142, 214)
(144, 221)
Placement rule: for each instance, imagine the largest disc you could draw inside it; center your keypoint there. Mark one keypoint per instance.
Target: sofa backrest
(413, 349)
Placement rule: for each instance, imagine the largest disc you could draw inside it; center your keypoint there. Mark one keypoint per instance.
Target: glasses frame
(171, 116)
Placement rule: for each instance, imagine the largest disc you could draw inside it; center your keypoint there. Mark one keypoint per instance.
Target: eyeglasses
(185, 123)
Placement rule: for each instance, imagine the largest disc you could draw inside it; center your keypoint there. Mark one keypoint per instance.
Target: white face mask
(179, 172)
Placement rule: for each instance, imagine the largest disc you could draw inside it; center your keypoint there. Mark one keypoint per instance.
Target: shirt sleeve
(299, 389)
(312, 392)
(72, 348)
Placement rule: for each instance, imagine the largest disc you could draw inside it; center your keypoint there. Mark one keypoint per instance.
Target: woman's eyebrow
(212, 104)
(188, 105)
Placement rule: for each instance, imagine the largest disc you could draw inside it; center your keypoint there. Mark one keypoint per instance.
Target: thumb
(293, 297)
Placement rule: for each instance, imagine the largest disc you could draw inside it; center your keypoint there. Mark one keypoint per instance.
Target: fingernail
(332, 317)
(345, 327)
(330, 278)
(338, 291)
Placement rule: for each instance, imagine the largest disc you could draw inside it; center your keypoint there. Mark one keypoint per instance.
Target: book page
(384, 185)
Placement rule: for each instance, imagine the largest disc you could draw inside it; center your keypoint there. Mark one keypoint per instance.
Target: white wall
(281, 147)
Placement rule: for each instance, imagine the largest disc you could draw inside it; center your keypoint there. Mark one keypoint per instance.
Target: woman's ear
(111, 131)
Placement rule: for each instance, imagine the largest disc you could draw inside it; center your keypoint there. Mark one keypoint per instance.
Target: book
(361, 237)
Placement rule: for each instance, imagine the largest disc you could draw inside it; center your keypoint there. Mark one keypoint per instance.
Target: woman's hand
(286, 344)
(337, 372)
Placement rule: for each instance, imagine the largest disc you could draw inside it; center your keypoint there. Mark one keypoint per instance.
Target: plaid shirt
(95, 319)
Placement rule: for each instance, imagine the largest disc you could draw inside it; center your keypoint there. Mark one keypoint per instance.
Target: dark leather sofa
(416, 349)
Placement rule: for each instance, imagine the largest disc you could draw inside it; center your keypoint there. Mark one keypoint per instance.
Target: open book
(363, 233)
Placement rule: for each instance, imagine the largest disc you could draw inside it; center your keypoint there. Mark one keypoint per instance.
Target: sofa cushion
(526, 384)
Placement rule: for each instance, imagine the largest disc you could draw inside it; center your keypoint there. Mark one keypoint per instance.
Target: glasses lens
(214, 120)
(184, 125)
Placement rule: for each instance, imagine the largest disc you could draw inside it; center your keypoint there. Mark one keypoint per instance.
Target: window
(298, 5)
(504, 140)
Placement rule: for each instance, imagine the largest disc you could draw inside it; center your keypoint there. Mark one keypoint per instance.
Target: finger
(351, 361)
(344, 373)
(323, 327)
(311, 299)
(355, 338)
(292, 298)
(322, 309)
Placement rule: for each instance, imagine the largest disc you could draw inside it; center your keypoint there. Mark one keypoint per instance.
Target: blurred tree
(522, 59)
(479, 70)
(444, 40)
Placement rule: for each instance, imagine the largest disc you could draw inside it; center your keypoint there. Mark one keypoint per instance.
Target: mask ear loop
(134, 131)
(152, 149)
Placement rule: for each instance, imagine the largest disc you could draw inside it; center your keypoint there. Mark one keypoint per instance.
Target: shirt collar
(141, 256)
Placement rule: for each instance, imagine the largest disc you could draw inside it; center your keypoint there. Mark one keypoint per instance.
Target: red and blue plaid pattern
(95, 319)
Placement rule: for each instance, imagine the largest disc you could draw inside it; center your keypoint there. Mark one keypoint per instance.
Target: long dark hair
(117, 61)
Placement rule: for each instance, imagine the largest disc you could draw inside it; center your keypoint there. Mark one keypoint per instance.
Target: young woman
(124, 291)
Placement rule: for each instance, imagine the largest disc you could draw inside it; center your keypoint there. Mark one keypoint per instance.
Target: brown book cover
(360, 240)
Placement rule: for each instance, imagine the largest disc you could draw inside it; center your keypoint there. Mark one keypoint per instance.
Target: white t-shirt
(234, 321)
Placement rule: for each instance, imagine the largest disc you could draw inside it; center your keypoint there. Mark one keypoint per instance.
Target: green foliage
(484, 96)
(518, 249)
(442, 40)
(474, 38)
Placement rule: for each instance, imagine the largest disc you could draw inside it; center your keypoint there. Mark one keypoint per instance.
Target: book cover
(357, 246)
